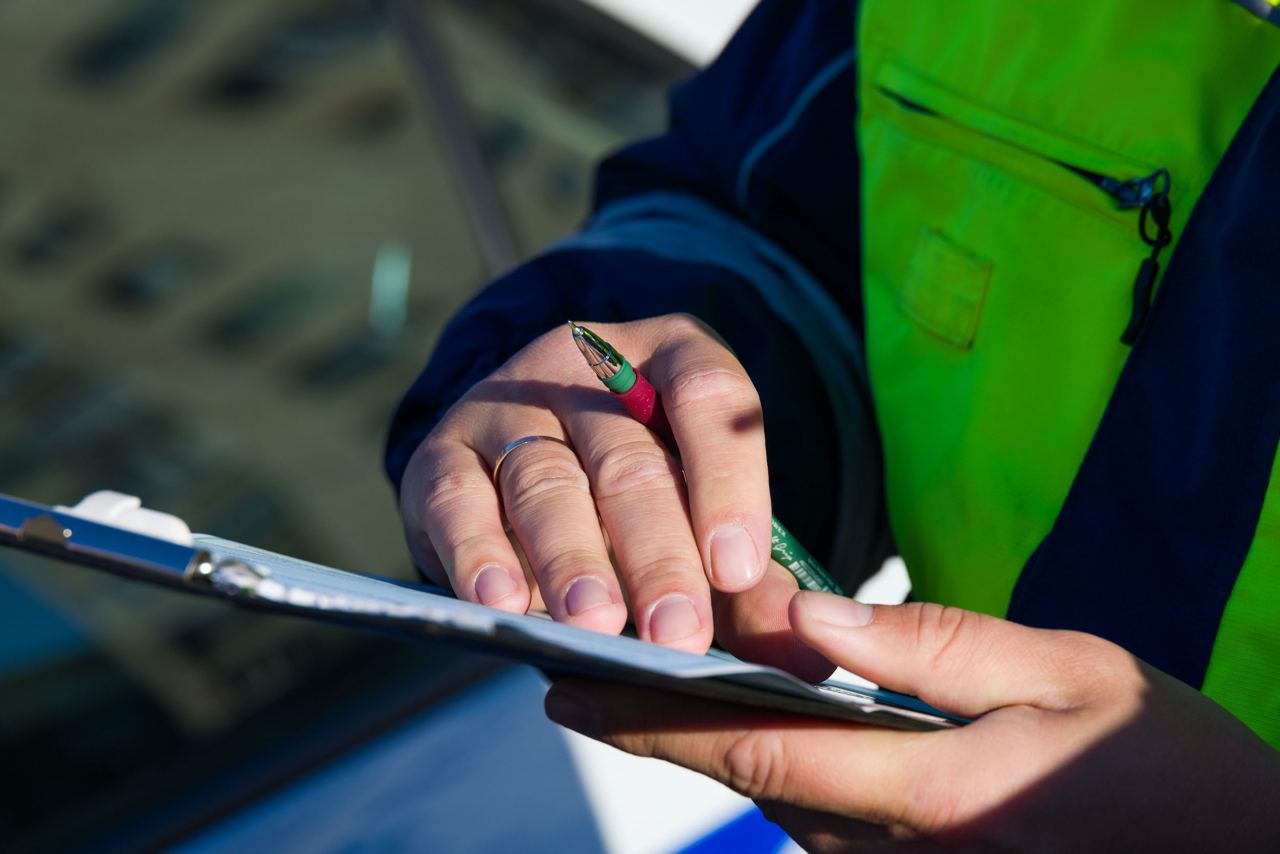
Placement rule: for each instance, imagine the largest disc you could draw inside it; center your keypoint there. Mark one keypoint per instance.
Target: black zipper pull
(1156, 209)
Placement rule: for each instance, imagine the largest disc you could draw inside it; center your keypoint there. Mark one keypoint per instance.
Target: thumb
(962, 661)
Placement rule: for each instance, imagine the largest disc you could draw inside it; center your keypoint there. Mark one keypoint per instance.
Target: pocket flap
(901, 82)
(944, 289)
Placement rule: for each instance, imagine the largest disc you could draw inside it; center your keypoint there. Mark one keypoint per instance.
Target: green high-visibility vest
(1008, 149)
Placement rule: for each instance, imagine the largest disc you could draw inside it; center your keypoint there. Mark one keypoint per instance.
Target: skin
(1077, 746)
(676, 570)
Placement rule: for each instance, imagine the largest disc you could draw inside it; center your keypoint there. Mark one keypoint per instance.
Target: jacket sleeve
(745, 214)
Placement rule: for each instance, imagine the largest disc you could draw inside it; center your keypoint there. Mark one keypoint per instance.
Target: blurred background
(230, 232)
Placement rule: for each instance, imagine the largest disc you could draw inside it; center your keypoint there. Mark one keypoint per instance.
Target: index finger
(716, 419)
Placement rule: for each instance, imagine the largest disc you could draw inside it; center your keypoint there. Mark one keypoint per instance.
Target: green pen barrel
(786, 550)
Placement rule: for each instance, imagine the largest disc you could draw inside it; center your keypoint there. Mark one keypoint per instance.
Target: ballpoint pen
(638, 396)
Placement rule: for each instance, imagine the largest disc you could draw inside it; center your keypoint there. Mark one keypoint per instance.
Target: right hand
(1076, 745)
(678, 542)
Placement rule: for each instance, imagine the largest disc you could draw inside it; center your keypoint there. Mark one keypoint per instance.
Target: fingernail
(673, 619)
(584, 594)
(734, 560)
(570, 710)
(493, 584)
(837, 610)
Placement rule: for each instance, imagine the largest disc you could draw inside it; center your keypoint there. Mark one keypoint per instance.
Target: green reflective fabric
(1266, 9)
(997, 281)
(1244, 673)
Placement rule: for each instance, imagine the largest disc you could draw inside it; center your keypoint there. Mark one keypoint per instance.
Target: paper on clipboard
(263, 580)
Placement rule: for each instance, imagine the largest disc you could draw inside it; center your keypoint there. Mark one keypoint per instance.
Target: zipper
(1150, 194)
(1157, 210)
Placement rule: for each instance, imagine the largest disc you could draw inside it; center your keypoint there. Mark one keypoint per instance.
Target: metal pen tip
(600, 356)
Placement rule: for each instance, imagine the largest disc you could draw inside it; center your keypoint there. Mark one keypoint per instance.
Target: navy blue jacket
(765, 136)
(761, 161)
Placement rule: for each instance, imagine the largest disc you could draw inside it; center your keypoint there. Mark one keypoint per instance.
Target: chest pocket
(1127, 193)
(1003, 265)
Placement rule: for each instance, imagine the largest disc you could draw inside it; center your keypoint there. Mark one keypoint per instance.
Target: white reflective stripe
(645, 806)
(684, 228)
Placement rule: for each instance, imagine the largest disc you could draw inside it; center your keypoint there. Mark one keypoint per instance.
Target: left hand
(1077, 745)
(688, 542)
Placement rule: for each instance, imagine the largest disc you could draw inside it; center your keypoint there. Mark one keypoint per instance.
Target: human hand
(679, 542)
(1077, 746)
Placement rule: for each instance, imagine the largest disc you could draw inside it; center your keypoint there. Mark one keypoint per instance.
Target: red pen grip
(643, 404)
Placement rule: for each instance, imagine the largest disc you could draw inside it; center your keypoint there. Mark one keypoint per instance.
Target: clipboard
(113, 533)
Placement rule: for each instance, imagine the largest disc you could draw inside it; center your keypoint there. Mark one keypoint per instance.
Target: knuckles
(442, 489)
(563, 565)
(947, 635)
(683, 324)
(1079, 668)
(712, 387)
(633, 467)
(1089, 667)
(540, 474)
(756, 764)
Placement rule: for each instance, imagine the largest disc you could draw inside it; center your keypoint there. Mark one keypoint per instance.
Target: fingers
(755, 625)
(549, 505)
(958, 660)
(802, 761)
(640, 495)
(673, 544)
(454, 526)
(716, 419)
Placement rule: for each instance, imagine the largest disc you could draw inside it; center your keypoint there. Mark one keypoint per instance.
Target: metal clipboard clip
(111, 531)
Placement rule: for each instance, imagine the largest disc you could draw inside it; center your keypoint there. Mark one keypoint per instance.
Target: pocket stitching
(982, 269)
(899, 79)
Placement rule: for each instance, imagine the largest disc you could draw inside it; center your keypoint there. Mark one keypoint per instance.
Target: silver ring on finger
(523, 440)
